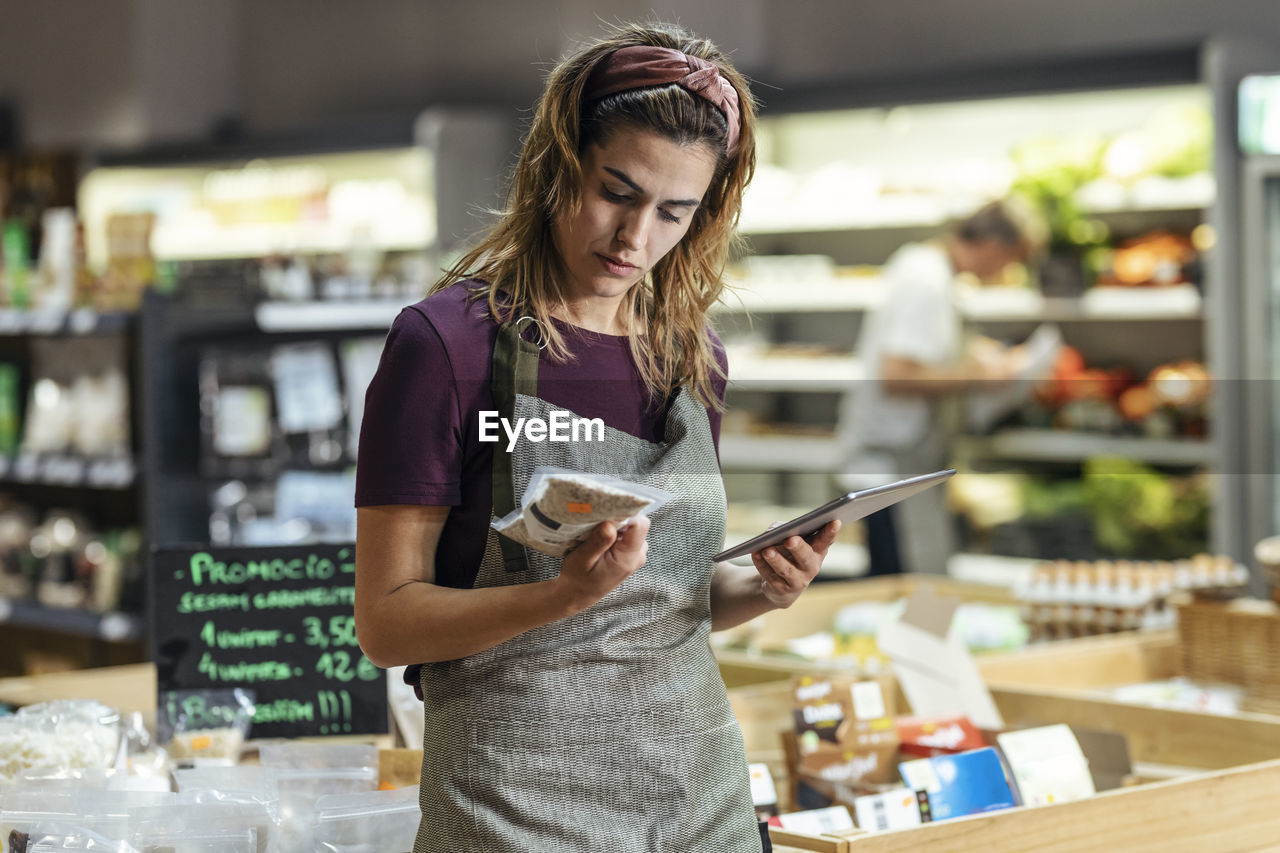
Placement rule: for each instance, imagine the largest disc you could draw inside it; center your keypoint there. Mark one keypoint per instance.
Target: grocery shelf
(61, 321)
(260, 241)
(1047, 445)
(820, 453)
(63, 469)
(115, 627)
(994, 304)
(1180, 302)
(855, 294)
(1148, 196)
(322, 316)
(793, 373)
(906, 220)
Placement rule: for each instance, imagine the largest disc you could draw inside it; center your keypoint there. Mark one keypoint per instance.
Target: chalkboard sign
(277, 621)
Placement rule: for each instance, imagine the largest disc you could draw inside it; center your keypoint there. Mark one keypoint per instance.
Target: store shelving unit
(112, 627)
(775, 307)
(104, 489)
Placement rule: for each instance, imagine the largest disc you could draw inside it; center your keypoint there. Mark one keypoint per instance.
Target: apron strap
(515, 371)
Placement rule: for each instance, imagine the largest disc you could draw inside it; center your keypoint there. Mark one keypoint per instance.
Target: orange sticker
(201, 742)
(578, 507)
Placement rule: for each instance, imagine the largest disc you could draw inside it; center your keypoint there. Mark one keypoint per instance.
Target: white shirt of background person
(918, 320)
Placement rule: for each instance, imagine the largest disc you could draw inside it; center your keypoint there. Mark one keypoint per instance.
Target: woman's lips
(615, 267)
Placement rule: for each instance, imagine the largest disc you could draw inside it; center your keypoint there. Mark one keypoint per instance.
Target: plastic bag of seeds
(560, 507)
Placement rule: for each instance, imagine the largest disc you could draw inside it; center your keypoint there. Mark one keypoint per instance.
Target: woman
(573, 703)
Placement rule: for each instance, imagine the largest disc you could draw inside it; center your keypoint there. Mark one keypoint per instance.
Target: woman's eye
(668, 217)
(612, 196)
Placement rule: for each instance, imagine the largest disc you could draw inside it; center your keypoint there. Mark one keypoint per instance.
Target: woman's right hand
(589, 572)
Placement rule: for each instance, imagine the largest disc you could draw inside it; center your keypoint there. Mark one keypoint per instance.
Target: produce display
(1117, 508)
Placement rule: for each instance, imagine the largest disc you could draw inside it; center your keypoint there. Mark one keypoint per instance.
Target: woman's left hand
(790, 566)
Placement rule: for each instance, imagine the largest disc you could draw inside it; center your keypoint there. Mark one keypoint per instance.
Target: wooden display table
(766, 636)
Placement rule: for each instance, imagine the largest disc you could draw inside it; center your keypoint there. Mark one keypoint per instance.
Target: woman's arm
(402, 617)
(779, 575)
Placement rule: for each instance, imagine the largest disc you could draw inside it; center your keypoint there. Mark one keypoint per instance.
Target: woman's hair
(517, 260)
(1011, 222)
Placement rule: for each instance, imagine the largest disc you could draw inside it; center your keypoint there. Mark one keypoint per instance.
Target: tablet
(849, 507)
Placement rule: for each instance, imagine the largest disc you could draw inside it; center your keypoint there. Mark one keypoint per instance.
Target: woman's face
(639, 193)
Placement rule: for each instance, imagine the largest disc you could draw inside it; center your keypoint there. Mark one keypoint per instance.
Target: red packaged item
(930, 736)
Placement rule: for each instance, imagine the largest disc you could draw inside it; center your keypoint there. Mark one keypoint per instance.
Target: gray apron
(611, 729)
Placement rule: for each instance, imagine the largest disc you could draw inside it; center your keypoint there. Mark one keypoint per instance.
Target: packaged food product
(61, 735)
(204, 726)
(560, 508)
(930, 736)
(368, 822)
(844, 729)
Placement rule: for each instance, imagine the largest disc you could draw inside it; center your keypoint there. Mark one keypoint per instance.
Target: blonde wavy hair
(518, 268)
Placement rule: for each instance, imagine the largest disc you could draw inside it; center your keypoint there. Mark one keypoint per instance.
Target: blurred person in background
(573, 703)
(897, 422)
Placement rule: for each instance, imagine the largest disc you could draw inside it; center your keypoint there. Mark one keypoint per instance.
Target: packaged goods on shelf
(62, 561)
(79, 400)
(236, 406)
(298, 405)
(297, 507)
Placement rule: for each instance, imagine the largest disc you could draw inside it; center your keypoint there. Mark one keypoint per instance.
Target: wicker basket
(1267, 554)
(1235, 642)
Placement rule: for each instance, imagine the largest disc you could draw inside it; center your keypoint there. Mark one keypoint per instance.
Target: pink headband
(640, 66)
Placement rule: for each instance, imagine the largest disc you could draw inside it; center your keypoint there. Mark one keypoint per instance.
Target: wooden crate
(816, 611)
(1232, 643)
(1207, 759)
(1226, 811)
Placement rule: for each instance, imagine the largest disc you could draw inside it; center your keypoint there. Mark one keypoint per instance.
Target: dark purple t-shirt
(419, 439)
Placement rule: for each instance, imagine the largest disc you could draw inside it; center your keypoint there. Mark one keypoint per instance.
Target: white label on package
(898, 809)
(818, 821)
(921, 775)
(542, 528)
(1047, 764)
(763, 792)
(242, 421)
(306, 380)
(868, 700)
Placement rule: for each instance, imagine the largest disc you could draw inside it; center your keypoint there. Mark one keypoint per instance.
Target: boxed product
(901, 808)
(959, 785)
(1047, 765)
(844, 730)
(930, 736)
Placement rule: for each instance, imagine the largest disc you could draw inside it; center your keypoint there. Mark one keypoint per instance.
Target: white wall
(122, 71)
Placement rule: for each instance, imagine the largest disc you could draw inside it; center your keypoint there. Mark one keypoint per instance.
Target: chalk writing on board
(279, 621)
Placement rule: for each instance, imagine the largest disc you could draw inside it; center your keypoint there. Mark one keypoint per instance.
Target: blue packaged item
(958, 785)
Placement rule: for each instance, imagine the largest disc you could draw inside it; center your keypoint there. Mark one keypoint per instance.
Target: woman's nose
(633, 229)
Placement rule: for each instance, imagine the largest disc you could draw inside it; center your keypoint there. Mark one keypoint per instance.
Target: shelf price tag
(277, 620)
